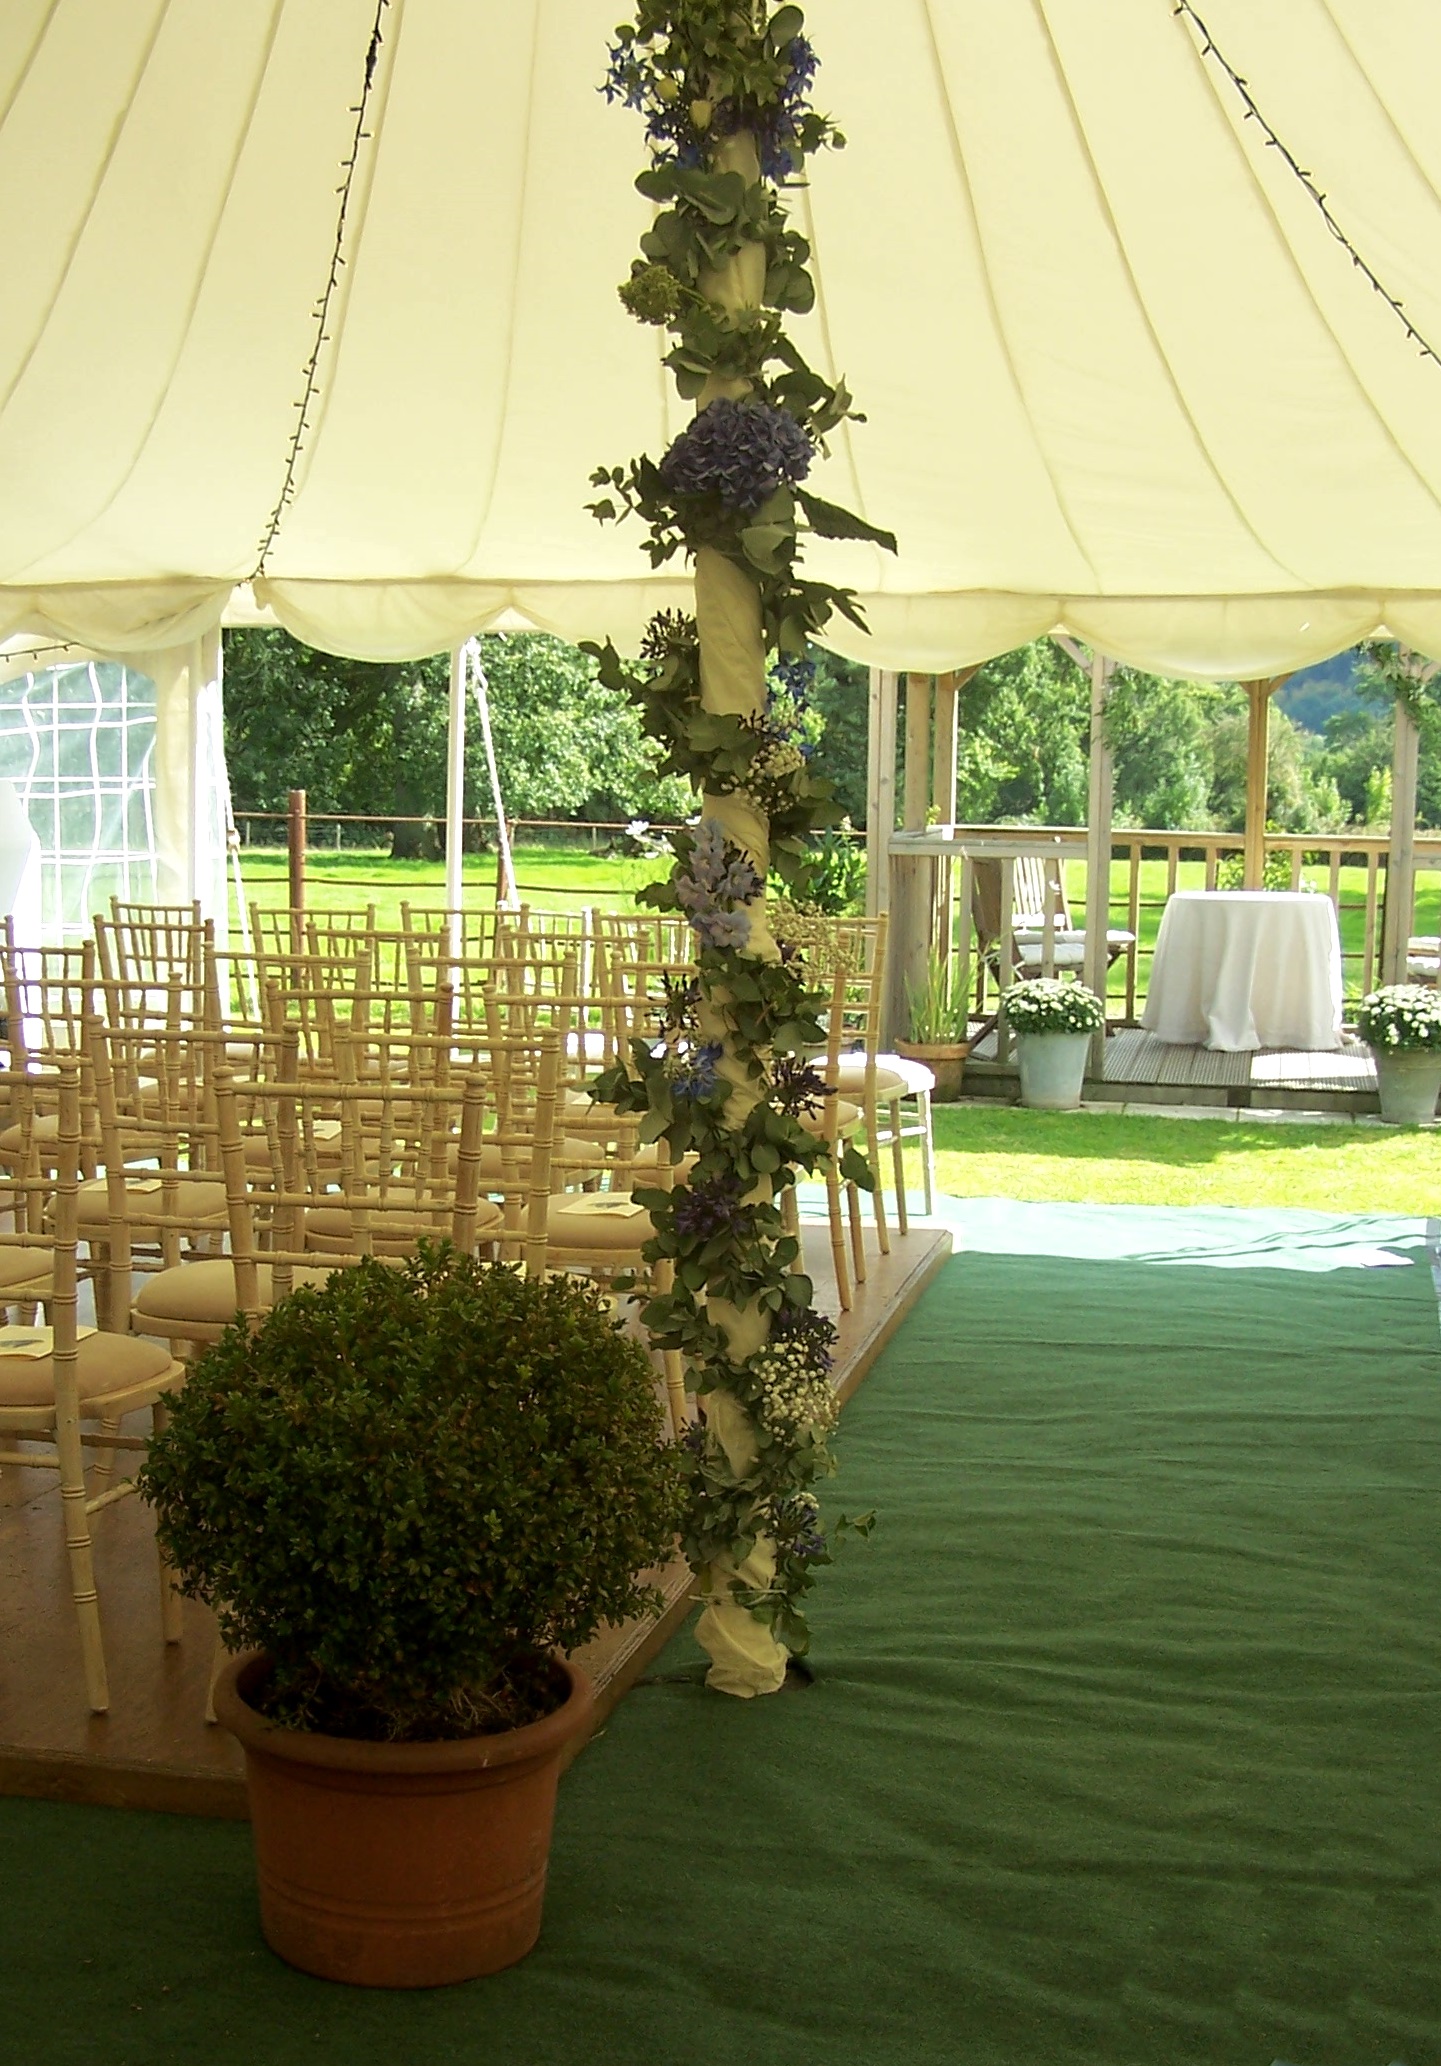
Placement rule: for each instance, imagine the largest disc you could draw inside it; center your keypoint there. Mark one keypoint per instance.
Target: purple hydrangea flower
(724, 930)
(712, 1206)
(719, 868)
(740, 452)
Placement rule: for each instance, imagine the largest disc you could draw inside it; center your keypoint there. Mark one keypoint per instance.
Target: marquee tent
(1122, 375)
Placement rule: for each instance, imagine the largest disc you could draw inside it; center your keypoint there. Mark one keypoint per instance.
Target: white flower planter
(1409, 1083)
(1053, 1068)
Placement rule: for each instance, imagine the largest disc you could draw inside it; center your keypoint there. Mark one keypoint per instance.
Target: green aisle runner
(1123, 1748)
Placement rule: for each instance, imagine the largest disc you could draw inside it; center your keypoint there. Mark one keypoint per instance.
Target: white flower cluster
(796, 1401)
(1404, 1017)
(1046, 1004)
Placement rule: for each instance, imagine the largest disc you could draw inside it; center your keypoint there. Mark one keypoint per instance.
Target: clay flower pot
(400, 1864)
(946, 1060)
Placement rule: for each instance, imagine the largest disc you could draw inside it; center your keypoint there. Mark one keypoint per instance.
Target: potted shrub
(405, 1495)
(1402, 1023)
(1053, 1022)
(938, 1029)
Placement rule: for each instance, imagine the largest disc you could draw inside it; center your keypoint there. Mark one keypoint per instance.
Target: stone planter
(1409, 1082)
(400, 1864)
(1053, 1068)
(946, 1061)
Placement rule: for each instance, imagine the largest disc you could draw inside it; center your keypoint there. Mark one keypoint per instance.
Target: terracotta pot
(946, 1061)
(400, 1864)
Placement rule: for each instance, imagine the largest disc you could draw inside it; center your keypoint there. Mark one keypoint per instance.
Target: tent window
(79, 744)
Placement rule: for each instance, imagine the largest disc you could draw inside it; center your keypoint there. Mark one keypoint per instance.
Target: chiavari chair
(57, 1380)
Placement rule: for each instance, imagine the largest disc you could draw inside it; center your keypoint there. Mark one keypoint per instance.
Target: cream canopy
(1120, 376)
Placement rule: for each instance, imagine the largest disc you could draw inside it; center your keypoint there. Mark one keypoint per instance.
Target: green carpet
(1122, 1748)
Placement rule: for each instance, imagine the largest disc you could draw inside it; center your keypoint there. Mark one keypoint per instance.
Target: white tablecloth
(1240, 969)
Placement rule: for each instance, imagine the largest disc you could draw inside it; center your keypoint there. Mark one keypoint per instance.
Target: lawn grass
(553, 878)
(1097, 1158)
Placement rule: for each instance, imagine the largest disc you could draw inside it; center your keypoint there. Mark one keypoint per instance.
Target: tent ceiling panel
(1119, 376)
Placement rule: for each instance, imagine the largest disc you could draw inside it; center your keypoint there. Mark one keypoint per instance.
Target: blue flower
(797, 1087)
(811, 1330)
(740, 452)
(695, 1074)
(710, 1207)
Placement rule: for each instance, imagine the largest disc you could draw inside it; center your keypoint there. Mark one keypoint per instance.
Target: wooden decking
(1136, 1061)
(154, 1749)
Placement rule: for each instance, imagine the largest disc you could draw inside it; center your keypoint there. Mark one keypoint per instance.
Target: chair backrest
(1038, 887)
(39, 1212)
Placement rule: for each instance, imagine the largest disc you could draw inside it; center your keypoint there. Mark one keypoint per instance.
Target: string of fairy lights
(332, 281)
(1307, 180)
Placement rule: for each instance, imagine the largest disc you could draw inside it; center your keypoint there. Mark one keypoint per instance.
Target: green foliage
(724, 91)
(371, 738)
(935, 1019)
(832, 877)
(408, 1483)
(1021, 755)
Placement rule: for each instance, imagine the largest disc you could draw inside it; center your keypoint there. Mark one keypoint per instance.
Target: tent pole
(508, 893)
(455, 798)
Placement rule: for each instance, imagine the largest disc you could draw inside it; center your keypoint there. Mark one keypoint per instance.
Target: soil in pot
(946, 1061)
(401, 1864)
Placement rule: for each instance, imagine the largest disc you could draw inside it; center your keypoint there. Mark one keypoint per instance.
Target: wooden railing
(933, 894)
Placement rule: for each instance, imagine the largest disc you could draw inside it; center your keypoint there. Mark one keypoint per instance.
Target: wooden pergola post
(880, 788)
(912, 875)
(943, 814)
(1100, 810)
(1401, 849)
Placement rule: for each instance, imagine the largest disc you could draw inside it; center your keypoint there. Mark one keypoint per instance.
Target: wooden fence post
(295, 842)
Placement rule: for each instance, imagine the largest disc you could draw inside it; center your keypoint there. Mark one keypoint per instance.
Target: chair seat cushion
(105, 1364)
(45, 1133)
(395, 1227)
(894, 1074)
(574, 1223)
(198, 1200)
(23, 1267)
(204, 1293)
(848, 1117)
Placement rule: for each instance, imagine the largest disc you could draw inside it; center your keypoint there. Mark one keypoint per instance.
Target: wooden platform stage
(1142, 1069)
(154, 1749)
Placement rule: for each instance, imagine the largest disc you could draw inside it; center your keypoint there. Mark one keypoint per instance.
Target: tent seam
(1103, 199)
(117, 131)
(993, 301)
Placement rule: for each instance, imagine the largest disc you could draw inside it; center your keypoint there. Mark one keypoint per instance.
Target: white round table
(1242, 969)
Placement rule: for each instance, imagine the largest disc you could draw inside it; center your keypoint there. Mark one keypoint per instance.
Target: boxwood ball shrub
(1046, 1004)
(410, 1485)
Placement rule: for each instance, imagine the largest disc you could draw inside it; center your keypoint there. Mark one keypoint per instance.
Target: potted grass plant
(938, 1029)
(1402, 1024)
(407, 1495)
(1053, 1022)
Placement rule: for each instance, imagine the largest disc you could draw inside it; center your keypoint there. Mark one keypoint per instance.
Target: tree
(371, 738)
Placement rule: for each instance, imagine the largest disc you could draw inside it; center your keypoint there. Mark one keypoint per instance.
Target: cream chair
(57, 1379)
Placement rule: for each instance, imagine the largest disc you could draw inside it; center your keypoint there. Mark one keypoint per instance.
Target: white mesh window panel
(79, 744)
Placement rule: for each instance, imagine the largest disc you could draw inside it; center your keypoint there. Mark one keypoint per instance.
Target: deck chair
(1043, 939)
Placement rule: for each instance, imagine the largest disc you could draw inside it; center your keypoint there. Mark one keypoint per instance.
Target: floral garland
(724, 89)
